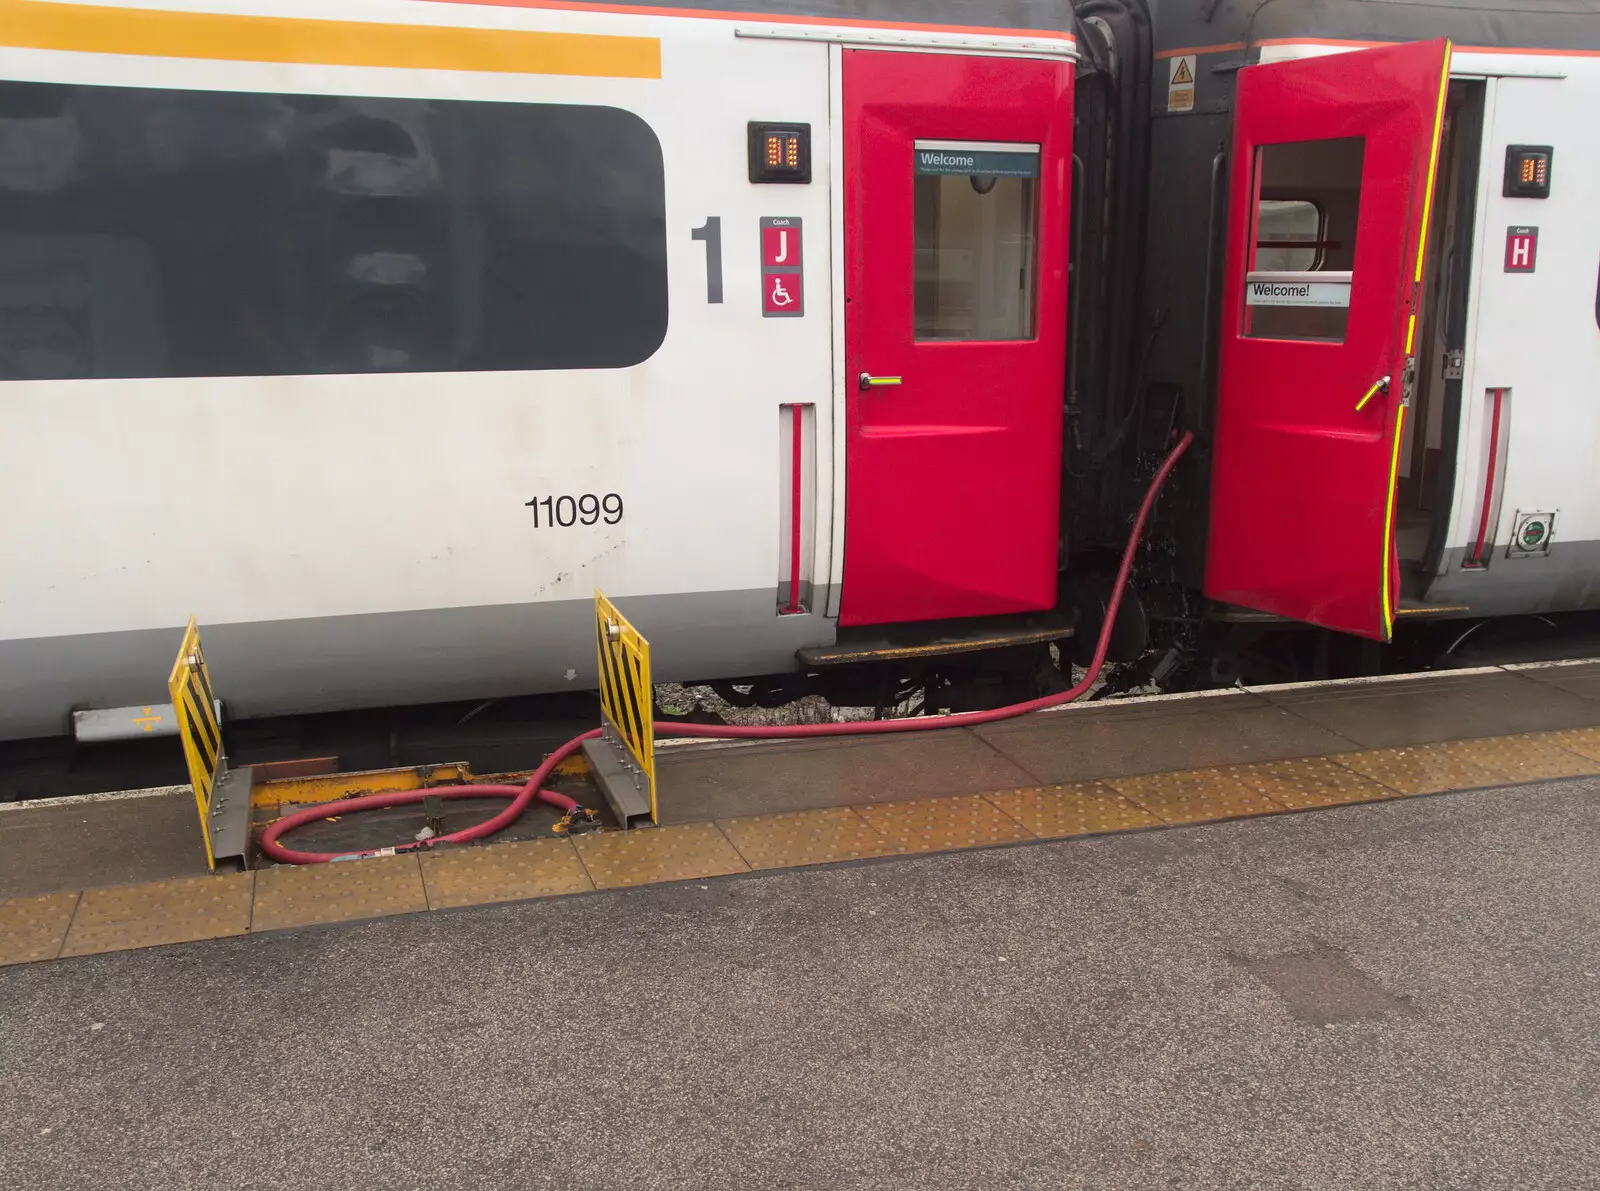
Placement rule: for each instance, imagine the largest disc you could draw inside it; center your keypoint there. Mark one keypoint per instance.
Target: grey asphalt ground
(1404, 995)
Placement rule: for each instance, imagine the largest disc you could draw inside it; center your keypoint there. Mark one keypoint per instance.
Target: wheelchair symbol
(784, 295)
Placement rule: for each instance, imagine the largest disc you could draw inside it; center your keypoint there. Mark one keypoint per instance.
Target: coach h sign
(1522, 249)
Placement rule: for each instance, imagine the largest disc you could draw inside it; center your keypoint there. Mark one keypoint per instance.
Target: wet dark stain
(1300, 889)
(1321, 986)
(459, 1027)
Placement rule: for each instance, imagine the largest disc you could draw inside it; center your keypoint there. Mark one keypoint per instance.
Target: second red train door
(1333, 172)
(957, 183)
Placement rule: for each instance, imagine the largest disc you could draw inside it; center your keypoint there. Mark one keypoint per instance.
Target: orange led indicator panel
(783, 151)
(1527, 171)
(780, 152)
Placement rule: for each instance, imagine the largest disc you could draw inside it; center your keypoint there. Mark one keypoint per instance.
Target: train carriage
(378, 334)
(1370, 325)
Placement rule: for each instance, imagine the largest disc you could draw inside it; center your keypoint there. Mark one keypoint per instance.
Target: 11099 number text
(551, 512)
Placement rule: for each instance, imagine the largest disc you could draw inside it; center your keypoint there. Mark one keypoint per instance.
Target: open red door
(957, 180)
(1334, 161)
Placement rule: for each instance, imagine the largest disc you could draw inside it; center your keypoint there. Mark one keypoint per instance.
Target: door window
(1288, 235)
(1302, 246)
(974, 210)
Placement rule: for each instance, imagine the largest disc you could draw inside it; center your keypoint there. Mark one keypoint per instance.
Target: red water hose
(521, 796)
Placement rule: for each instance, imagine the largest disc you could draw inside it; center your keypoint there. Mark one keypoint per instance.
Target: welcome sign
(994, 159)
(1297, 289)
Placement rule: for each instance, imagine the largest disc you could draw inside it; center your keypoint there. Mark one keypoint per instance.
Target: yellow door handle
(1381, 386)
(868, 381)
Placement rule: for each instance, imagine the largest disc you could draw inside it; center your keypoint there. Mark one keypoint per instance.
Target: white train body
(360, 519)
(1534, 339)
(367, 539)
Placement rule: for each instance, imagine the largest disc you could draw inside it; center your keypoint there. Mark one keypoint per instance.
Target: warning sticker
(1180, 83)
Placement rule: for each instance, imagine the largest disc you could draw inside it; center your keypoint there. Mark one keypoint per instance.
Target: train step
(1409, 606)
(1415, 608)
(937, 638)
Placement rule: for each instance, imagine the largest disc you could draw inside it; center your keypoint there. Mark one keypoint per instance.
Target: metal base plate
(624, 791)
(229, 821)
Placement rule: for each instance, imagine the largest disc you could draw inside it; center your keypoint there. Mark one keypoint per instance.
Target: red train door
(1334, 159)
(956, 188)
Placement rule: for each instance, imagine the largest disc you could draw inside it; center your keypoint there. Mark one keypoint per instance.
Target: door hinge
(1454, 363)
(1408, 384)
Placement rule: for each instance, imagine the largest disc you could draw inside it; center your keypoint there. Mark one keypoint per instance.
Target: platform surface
(81, 877)
(1128, 738)
(1400, 994)
(68, 843)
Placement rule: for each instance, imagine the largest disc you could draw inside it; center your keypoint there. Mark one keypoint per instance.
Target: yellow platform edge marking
(40, 925)
(686, 852)
(954, 823)
(35, 928)
(800, 839)
(522, 871)
(157, 913)
(97, 29)
(1071, 809)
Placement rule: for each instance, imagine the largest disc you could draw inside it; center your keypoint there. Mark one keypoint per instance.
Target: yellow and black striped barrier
(224, 813)
(624, 758)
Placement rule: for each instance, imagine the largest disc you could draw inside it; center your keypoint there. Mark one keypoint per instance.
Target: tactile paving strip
(190, 908)
(1079, 808)
(1312, 782)
(942, 824)
(32, 928)
(1523, 758)
(179, 910)
(1583, 741)
(1418, 769)
(809, 837)
(651, 854)
(339, 892)
(1194, 796)
(503, 873)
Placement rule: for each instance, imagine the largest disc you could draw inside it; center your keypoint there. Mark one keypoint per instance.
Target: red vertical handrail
(796, 513)
(1488, 480)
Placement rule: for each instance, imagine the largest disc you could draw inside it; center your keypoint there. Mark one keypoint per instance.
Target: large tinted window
(189, 233)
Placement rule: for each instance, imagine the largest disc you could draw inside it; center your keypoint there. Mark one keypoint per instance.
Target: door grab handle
(867, 381)
(1381, 387)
